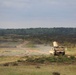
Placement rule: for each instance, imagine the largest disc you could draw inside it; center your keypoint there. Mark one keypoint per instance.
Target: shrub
(15, 64)
(50, 59)
(19, 60)
(6, 64)
(30, 59)
(72, 57)
(56, 73)
(39, 60)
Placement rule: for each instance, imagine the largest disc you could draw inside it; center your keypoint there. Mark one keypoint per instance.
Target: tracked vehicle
(58, 50)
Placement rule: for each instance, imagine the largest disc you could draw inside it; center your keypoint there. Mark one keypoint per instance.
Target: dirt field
(20, 49)
(25, 49)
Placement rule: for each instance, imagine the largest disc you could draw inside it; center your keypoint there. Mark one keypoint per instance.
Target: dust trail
(23, 50)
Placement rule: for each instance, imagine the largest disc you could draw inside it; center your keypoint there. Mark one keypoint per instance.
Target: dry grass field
(43, 70)
(17, 50)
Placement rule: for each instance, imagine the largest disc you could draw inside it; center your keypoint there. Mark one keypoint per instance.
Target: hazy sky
(37, 13)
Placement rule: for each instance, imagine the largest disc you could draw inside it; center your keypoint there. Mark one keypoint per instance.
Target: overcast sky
(37, 13)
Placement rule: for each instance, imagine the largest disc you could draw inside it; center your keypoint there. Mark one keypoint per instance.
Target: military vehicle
(57, 50)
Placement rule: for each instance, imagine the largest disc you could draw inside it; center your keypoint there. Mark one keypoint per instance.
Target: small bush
(56, 73)
(19, 60)
(15, 64)
(72, 57)
(39, 60)
(50, 59)
(30, 59)
(6, 64)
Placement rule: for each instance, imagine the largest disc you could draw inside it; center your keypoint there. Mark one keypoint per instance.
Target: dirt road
(24, 51)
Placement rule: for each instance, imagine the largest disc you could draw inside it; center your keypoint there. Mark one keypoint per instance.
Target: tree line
(38, 34)
(39, 31)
